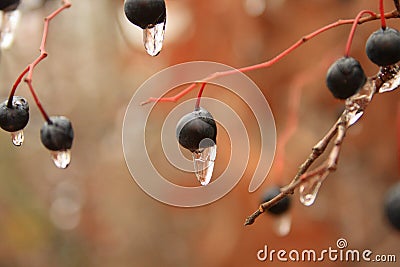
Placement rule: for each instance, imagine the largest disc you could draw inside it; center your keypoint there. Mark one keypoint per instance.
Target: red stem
(197, 106)
(272, 61)
(382, 12)
(28, 71)
(353, 30)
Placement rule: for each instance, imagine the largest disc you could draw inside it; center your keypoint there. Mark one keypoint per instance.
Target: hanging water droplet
(309, 189)
(8, 27)
(203, 160)
(61, 158)
(282, 224)
(153, 38)
(17, 137)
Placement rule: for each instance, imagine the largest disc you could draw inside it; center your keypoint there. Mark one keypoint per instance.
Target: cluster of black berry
(346, 77)
(56, 134)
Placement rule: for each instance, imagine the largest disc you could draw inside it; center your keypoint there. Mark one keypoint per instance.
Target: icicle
(61, 158)
(203, 160)
(17, 137)
(153, 38)
(309, 189)
(282, 224)
(356, 104)
(8, 27)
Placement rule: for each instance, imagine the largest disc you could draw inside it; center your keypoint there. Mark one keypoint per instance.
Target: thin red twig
(382, 11)
(28, 71)
(197, 106)
(269, 63)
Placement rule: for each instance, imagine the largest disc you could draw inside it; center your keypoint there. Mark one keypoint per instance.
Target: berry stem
(353, 29)
(197, 106)
(28, 71)
(373, 16)
(382, 12)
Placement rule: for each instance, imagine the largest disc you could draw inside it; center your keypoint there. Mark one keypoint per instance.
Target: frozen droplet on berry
(153, 38)
(282, 224)
(57, 136)
(8, 27)
(204, 160)
(61, 158)
(17, 137)
(150, 15)
(309, 189)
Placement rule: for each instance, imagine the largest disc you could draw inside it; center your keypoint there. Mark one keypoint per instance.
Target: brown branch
(354, 105)
(28, 71)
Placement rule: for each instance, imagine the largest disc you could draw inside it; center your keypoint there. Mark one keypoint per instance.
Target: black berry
(282, 206)
(392, 206)
(383, 47)
(345, 77)
(145, 13)
(57, 135)
(15, 117)
(195, 127)
(9, 5)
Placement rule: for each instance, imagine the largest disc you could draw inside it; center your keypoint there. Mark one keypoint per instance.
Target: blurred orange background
(94, 214)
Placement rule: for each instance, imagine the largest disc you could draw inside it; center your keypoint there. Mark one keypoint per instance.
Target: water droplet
(309, 189)
(153, 38)
(61, 158)
(17, 137)
(203, 160)
(356, 104)
(282, 224)
(9, 24)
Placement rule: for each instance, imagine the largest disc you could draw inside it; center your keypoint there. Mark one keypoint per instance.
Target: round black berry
(392, 205)
(383, 47)
(9, 5)
(57, 135)
(345, 77)
(195, 127)
(145, 13)
(15, 117)
(282, 206)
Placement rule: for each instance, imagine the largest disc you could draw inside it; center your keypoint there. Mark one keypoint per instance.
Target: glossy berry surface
(282, 206)
(383, 47)
(345, 77)
(9, 5)
(392, 206)
(57, 135)
(145, 13)
(194, 127)
(16, 117)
